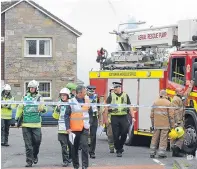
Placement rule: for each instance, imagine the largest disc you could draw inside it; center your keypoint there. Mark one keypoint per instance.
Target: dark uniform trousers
(32, 138)
(5, 127)
(120, 127)
(66, 147)
(93, 130)
(81, 140)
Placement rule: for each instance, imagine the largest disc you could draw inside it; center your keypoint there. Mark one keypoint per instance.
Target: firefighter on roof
(162, 120)
(62, 114)
(6, 114)
(93, 120)
(178, 101)
(119, 120)
(30, 117)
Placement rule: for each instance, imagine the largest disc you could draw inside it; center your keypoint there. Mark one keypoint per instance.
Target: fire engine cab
(146, 64)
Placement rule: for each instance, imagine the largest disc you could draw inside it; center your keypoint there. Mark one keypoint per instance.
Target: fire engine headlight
(194, 38)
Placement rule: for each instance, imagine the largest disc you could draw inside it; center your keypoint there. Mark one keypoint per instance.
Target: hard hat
(33, 84)
(71, 86)
(180, 131)
(7, 87)
(173, 134)
(65, 91)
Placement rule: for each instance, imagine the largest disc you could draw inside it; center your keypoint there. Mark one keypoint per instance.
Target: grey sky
(95, 18)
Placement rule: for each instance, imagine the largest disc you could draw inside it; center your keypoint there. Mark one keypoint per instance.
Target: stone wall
(24, 21)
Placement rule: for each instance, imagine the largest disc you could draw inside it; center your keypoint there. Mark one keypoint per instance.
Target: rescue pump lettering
(153, 36)
(123, 74)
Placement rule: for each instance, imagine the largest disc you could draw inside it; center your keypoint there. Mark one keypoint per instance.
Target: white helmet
(33, 84)
(7, 87)
(65, 91)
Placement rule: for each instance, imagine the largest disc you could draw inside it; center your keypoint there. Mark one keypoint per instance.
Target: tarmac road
(50, 154)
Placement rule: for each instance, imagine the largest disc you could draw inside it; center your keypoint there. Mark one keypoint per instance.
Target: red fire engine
(140, 66)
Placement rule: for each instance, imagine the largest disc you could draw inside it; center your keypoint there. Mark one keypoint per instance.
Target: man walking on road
(6, 114)
(178, 101)
(162, 120)
(93, 120)
(119, 120)
(79, 124)
(30, 116)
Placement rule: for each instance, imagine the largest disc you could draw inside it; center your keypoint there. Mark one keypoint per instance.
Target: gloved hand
(152, 129)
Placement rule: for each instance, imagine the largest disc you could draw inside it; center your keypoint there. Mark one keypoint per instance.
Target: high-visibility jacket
(79, 118)
(119, 100)
(6, 111)
(62, 115)
(33, 118)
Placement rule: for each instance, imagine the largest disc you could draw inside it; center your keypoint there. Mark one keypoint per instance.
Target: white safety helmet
(65, 91)
(33, 84)
(7, 87)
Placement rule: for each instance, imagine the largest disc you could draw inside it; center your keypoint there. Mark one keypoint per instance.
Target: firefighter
(178, 101)
(72, 88)
(119, 120)
(93, 120)
(30, 118)
(109, 128)
(162, 120)
(79, 124)
(6, 114)
(62, 114)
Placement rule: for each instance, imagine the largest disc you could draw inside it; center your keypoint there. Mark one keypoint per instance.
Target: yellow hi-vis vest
(119, 100)
(6, 112)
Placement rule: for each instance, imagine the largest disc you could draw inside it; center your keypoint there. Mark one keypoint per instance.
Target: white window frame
(45, 98)
(37, 47)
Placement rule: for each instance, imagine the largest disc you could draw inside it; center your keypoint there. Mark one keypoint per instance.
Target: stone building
(35, 44)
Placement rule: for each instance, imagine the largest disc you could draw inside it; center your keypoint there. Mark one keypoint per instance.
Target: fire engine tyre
(190, 142)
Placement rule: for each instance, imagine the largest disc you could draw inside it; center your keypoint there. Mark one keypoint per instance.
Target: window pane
(31, 47)
(44, 47)
(178, 70)
(44, 89)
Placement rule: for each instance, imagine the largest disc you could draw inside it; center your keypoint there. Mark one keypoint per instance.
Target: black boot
(92, 155)
(6, 144)
(28, 165)
(65, 164)
(176, 152)
(35, 160)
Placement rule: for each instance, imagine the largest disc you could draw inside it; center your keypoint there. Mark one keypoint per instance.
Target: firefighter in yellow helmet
(6, 114)
(29, 116)
(62, 114)
(162, 120)
(179, 102)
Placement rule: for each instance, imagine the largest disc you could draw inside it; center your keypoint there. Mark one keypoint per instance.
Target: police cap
(117, 84)
(91, 87)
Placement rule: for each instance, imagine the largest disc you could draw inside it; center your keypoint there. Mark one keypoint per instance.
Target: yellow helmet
(173, 134)
(180, 131)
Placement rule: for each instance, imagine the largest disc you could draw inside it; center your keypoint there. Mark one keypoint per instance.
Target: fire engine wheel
(190, 142)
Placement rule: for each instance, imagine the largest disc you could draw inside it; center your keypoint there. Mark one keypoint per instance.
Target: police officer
(162, 121)
(6, 114)
(30, 116)
(119, 120)
(93, 120)
(178, 101)
(62, 114)
(109, 127)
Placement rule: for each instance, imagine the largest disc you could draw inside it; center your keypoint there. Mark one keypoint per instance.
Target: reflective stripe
(160, 113)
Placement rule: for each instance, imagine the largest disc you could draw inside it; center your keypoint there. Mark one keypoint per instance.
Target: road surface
(50, 154)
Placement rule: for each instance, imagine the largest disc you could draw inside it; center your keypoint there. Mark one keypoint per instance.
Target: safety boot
(35, 160)
(92, 156)
(65, 164)
(162, 154)
(119, 154)
(152, 153)
(111, 150)
(6, 144)
(28, 165)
